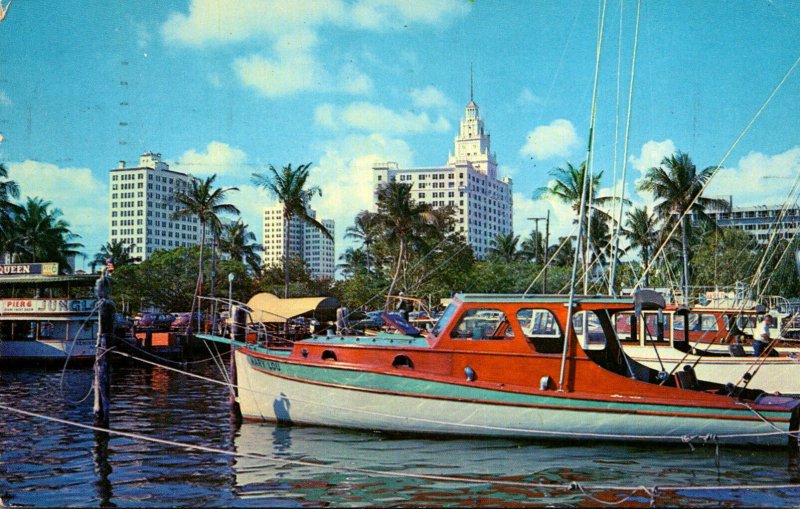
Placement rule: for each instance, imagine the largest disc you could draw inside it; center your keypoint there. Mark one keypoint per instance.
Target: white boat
(42, 330)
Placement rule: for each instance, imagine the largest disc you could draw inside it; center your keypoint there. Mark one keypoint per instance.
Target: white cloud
(4, 99)
(557, 139)
(527, 97)
(430, 97)
(344, 173)
(68, 189)
(212, 21)
(251, 200)
(561, 217)
(219, 158)
(652, 153)
(295, 69)
(758, 179)
(293, 66)
(377, 118)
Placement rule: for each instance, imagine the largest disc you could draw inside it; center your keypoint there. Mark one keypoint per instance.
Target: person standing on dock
(762, 338)
(342, 320)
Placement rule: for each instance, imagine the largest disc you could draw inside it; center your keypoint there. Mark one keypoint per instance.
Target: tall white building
(142, 205)
(305, 241)
(468, 182)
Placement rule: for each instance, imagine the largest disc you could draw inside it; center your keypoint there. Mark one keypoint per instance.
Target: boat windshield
(444, 320)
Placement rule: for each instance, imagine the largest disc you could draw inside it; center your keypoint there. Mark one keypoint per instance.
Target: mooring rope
(651, 493)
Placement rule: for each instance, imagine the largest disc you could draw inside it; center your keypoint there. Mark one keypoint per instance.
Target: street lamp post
(230, 289)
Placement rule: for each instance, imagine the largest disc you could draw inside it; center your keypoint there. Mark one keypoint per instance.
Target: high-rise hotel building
(468, 182)
(305, 241)
(142, 205)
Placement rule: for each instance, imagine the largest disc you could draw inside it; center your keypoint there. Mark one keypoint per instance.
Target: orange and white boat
(502, 365)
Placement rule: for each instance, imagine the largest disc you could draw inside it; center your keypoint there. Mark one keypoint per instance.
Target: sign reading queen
(38, 269)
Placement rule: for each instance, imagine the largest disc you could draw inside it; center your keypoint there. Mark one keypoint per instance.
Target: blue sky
(231, 87)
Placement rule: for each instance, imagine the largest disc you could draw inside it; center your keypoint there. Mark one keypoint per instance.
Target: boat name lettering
(265, 364)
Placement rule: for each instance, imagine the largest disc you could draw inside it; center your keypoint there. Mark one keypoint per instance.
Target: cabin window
(541, 329)
(589, 330)
(622, 325)
(708, 323)
(482, 323)
(444, 320)
(651, 333)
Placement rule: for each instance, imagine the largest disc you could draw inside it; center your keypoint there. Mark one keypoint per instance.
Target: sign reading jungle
(39, 269)
(46, 305)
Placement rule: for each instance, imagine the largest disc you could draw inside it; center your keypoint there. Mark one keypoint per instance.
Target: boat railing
(250, 331)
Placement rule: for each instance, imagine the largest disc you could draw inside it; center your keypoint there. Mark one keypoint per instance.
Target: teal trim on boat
(362, 380)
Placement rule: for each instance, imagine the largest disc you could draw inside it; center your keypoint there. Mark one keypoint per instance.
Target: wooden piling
(102, 384)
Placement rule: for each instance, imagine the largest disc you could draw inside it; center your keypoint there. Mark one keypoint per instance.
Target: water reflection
(332, 460)
(44, 463)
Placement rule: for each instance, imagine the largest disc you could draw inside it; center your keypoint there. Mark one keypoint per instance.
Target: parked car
(181, 322)
(155, 321)
(368, 320)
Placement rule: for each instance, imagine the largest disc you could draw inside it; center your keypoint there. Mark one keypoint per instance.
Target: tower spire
(470, 82)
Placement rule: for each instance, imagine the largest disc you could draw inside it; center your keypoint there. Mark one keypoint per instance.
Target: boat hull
(273, 389)
(47, 350)
(775, 374)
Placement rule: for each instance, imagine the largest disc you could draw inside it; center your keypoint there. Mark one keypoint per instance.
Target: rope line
(572, 486)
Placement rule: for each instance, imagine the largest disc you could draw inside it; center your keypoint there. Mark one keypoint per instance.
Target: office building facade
(468, 182)
(142, 204)
(761, 221)
(305, 241)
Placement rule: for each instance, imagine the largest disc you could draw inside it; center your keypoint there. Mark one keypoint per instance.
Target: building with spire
(468, 182)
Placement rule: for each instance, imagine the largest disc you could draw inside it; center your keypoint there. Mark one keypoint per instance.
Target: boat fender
(470, 374)
(544, 383)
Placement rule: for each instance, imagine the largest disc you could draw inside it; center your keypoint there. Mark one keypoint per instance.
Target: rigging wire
(725, 158)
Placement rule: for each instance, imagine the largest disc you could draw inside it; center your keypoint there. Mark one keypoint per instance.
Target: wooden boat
(498, 365)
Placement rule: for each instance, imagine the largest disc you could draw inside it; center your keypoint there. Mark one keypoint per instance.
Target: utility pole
(538, 240)
(546, 249)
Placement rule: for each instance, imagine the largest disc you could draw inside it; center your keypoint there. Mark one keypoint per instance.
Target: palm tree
(568, 189)
(203, 201)
(403, 220)
(117, 251)
(641, 230)
(41, 235)
(533, 247)
(240, 244)
(8, 189)
(289, 187)
(363, 229)
(353, 260)
(678, 186)
(504, 247)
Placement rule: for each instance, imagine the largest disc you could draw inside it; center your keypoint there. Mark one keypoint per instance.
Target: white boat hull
(267, 392)
(775, 374)
(47, 349)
